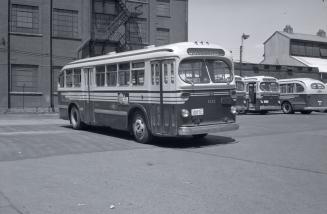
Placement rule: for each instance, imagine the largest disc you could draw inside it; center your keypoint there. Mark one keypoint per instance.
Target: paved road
(273, 164)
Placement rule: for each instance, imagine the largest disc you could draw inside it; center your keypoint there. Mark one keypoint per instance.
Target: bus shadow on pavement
(165, 142)
(190, 142)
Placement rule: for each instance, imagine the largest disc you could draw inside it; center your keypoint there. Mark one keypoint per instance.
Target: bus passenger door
(252, 94)
(168, 91)
(88, 103)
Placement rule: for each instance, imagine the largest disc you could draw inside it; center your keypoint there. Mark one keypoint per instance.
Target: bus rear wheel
(140, 129)
(75, 118)
(287, 108)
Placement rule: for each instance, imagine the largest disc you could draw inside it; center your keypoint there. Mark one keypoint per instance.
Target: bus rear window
(317, 86)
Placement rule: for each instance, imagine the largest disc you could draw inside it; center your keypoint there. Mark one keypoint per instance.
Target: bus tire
(287, 108)
(200, 136)
(306, 112)
(263, 112)
(75, 118)
(140, 129)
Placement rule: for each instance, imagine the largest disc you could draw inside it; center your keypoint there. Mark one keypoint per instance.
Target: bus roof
(182, 49)
(306, 81)
(259, 78)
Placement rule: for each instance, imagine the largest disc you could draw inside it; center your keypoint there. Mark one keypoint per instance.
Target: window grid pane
(24, 19)
(65, 23)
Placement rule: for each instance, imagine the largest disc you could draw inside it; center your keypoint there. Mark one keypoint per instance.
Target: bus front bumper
(322, 108)
(202, 129)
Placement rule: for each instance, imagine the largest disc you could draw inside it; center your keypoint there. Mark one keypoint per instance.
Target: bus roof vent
(149, 46)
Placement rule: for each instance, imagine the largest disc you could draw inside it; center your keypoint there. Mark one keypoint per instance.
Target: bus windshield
(269, 86)
(240, 86)
(197, 71)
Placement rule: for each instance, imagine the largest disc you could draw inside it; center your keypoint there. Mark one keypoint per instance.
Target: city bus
(302, 94)
(182, 89)
(262, 94)
(241, 104)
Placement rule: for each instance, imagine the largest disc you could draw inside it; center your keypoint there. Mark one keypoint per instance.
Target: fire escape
(113, 32)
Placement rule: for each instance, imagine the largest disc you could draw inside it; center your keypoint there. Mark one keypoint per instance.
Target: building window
(137, 31)
(24, 19)
(162, 36)
(24, 78)
(163, 8)
(65, 23)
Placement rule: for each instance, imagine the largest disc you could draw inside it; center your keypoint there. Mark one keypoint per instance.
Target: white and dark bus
(262, 94)
(241, 104)
(302, 94)
(174, 90)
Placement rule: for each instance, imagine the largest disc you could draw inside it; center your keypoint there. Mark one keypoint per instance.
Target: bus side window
(77, 77)
(299, 88)
(172, 72)
(111, 75)
(152, 74)
(62, 79)
(165, 73)
(283, 89)
(124, 74)
(69, 78)
(290, 88)
(157, 72)
(138, 73)
(100, 75)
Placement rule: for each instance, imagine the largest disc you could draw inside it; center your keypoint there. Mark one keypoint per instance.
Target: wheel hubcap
(139, 128)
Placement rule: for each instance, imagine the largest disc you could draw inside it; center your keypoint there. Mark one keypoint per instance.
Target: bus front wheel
(140, 129)
(287, 108)
(75, 118)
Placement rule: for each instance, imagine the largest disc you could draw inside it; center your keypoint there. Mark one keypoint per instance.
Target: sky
(223, 22)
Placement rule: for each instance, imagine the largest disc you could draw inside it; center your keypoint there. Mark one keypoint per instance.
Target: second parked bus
(262, 94)
(241, 104)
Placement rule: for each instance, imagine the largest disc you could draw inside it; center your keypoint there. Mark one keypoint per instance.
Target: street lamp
(244, 37)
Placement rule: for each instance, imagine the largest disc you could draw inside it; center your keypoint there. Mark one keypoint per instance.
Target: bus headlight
(233, 109)
(185, 113)
(278, 101)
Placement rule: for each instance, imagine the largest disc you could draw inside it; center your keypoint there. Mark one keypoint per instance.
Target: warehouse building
(295, 49)
(44, 35)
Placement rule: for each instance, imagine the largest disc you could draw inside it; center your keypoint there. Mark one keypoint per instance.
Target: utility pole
(9, 56)
(51, 59)
(243, 37)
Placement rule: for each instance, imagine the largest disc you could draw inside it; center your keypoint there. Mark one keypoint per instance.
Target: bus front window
(269, 86)
(195, 71)
(219, 71)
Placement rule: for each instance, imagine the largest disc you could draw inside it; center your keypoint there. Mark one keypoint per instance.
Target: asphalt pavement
(274, 163)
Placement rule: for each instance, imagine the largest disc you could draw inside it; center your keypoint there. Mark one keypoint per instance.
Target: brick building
(80, 28)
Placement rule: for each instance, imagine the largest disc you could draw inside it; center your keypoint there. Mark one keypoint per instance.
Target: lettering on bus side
(123, 98)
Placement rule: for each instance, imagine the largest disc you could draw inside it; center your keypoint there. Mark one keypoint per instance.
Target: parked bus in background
(241, 104)
(174, 90)
(262, 94)
(302, 94)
